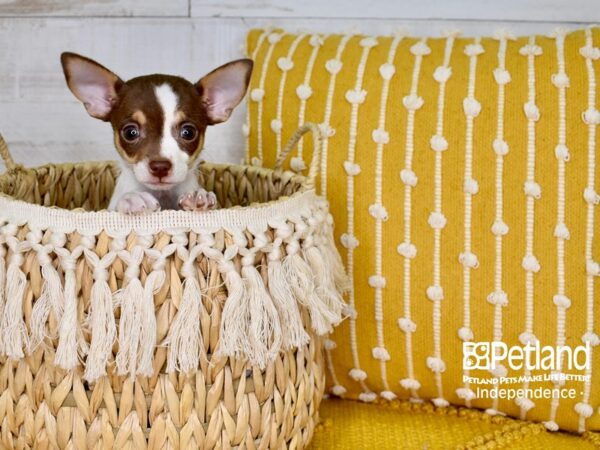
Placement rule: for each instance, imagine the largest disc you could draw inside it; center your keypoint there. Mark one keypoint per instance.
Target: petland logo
(488, 355)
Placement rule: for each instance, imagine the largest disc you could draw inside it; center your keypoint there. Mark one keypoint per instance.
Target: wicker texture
(140, 340)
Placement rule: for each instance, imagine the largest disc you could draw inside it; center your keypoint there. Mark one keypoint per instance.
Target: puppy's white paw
(137, 203)
(199, 200)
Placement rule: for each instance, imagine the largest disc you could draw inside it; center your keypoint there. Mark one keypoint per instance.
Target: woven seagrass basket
(168, 330)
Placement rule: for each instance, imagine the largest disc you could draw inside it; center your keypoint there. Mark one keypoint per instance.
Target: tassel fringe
(131, 300)
(235, 318)
(184, 338)
(265, 327)
(2, 294)
(101, 322)
(292, 329)
(333, 260)
(14, 332)
(260, 318)
(325, 283)
(154, 283)
(66, 352)
(301, 279)
(51, 299)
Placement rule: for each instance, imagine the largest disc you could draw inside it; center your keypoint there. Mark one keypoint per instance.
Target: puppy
(158, 122)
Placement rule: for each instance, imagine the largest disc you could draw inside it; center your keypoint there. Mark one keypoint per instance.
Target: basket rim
(256, 216)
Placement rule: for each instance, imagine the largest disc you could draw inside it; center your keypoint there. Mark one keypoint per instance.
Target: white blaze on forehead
(168, 102)
(169, 149)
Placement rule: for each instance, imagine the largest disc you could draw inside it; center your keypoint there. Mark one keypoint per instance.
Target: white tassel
(101, 322)
(293, 334)
(235, 318)
(137, 325)
(130, 324)
(265, 327)
(325, 283)
(184, 338)
(335, 264)
(154, 283)
(300, 278)
(39, 316)
(66, 352)
(2, 296)
(14, 332)
(50, 299)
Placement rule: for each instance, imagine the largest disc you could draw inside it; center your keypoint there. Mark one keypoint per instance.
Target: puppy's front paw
(199, 200)
(138, 203)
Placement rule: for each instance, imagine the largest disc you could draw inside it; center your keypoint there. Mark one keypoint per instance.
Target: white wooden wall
(43, 122)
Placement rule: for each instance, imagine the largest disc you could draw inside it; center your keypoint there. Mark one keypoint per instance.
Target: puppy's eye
(188, 132)
(130, 133)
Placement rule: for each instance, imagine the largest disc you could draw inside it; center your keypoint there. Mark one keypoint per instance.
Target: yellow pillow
(461, 176)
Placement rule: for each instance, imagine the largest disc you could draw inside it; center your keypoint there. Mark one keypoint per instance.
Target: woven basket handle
(316, 156)
(9, 162)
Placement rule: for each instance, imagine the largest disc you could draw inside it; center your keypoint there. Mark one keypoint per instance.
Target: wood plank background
(43, 122)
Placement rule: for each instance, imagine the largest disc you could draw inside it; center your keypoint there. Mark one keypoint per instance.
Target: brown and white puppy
(159, 122)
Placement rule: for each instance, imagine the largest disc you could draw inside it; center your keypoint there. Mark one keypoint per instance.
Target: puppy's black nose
(160, 167)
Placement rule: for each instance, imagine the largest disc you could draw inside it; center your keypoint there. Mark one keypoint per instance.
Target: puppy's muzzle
(160, 168)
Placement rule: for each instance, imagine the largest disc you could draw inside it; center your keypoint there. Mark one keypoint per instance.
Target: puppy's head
(158, 121)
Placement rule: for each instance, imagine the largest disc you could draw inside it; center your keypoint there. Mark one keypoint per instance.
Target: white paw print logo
(476, 355)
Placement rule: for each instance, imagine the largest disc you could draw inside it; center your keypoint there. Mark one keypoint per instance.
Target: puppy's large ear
(223, 89)
(94, 85)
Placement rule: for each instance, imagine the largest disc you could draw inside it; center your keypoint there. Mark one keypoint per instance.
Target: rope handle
(9, 162)
(316, 156)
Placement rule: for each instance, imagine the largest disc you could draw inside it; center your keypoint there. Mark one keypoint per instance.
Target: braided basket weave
(167, 330)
